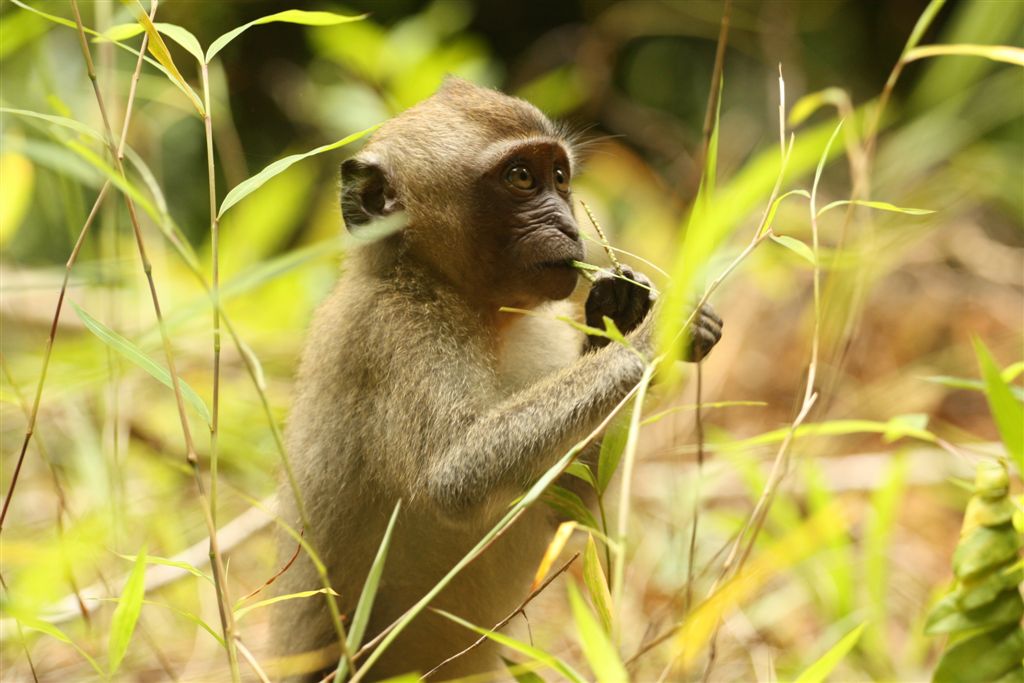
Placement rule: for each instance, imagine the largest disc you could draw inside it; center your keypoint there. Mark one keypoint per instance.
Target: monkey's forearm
(514, 442)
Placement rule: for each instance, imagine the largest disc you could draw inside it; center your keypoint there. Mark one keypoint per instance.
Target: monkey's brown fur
(414, 387)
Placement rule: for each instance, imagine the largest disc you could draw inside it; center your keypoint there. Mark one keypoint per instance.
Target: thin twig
(249, 659)
(501, 624)
(223, 603)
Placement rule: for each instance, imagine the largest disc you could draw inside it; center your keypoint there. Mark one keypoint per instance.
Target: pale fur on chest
(534, 346)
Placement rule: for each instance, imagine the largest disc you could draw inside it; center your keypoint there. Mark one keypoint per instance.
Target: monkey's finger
(707, 311)
(700, 344)
(710, 324)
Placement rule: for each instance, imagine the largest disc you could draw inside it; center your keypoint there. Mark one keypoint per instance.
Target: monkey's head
(484, 181)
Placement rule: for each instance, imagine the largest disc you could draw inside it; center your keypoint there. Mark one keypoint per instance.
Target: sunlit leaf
(823, 666)
(612, 445)
(984, 657)
(361, 617)
(291, 16)
(242, 611)
(1006, 410)
(597, 648)
(881, 206)
(135, 355)
(163, 561)
(54, 632)
(250, 185)
(522, 648)
(126, 614)
(795, 246)
(158, 49)
(997, 53)
(15, 192)
(520, 672)
(552, 552)
(812, 102)
(597, 584)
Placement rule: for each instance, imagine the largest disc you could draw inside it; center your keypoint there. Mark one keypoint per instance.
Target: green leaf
(984, 657)
(812, 102)
(597, 584)
(520, 672)
(997, 53)
(242, 611)
(135, 355)
(949, 617)
(154, 559)
(569, 505)
(158, 48)
(823, 666)
(597, 648)
(774, 208)
(612, 445)
(54, 632)
(126, 614)
(291, 16)
(250, 185)
(902, 426)
(361, 617)
(978, 591)
(974, 384)
(522, 648)
(1007, 411)
(881, 206)
(176, 33)
(796, 246)
(582, 471)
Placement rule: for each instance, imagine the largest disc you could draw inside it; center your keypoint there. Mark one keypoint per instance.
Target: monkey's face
(524, 221)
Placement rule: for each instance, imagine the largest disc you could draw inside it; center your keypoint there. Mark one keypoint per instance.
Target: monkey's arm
(509, 445)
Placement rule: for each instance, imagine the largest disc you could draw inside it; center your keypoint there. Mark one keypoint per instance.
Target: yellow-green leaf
(158, 48)
(881, 206)
(15, 192)
(135, 355)
(795, 246)
(126, 614)
(997, 53)
(823, 666)
(597, 584)
(250, 185)
(1006, 410)
(242, 611)
(291, 16)
(597, 648)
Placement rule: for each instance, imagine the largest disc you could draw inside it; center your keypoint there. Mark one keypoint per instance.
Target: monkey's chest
(534, 347)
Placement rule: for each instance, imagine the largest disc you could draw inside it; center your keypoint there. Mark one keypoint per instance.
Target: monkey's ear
(366, 193)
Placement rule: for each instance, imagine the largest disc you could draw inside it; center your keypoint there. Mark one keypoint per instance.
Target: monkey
(415, 385)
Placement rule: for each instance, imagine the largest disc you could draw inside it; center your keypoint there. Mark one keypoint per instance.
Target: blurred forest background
(904, 412)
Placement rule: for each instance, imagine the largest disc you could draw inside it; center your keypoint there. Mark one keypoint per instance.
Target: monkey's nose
(570, 230)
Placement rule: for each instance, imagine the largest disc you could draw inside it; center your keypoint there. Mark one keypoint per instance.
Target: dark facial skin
(524, 212)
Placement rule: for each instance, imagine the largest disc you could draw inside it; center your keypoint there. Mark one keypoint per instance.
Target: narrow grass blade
(250, 185)
(819, 670)
(828, 428)
(361, 617)
(522, 648)
(126, 614)
(612, 445)
(242, 611)
(1006, 410)
(521, 672)
(601, 654)
(881, 206)
(154, 559)
(597, 584)
(135, 355)
(54, 632)
(812, 102)
(176, 33)
(291, 16)
(997, 53)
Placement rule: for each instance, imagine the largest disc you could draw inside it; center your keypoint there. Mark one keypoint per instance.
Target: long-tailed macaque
(415, 386)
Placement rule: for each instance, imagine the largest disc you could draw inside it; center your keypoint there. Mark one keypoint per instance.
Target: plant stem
(223, 603)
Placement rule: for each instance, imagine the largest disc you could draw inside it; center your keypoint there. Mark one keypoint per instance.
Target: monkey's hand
(703, 333)
(626, 299)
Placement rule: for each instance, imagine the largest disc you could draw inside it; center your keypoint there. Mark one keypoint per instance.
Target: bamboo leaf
(176, 33)
(292, 16)
(154, 559)
(126, 614)
(774, 208)
(522, 648)
(554, 548)
(54, 632)
(997, 53)
(242, 611)
(135, 355)
(612, 446)
(1007, 411)
(881, 206)
(519, 672)
(812, 102)
(984, 657)
(569, 505)
(362, 614)
(795, 246)
(250, 185)
(601, 654)
(158, 48)
(597, 584)
(823, 666)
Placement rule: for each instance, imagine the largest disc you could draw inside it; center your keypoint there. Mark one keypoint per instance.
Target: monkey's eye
(561, 180)
(520, 177)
